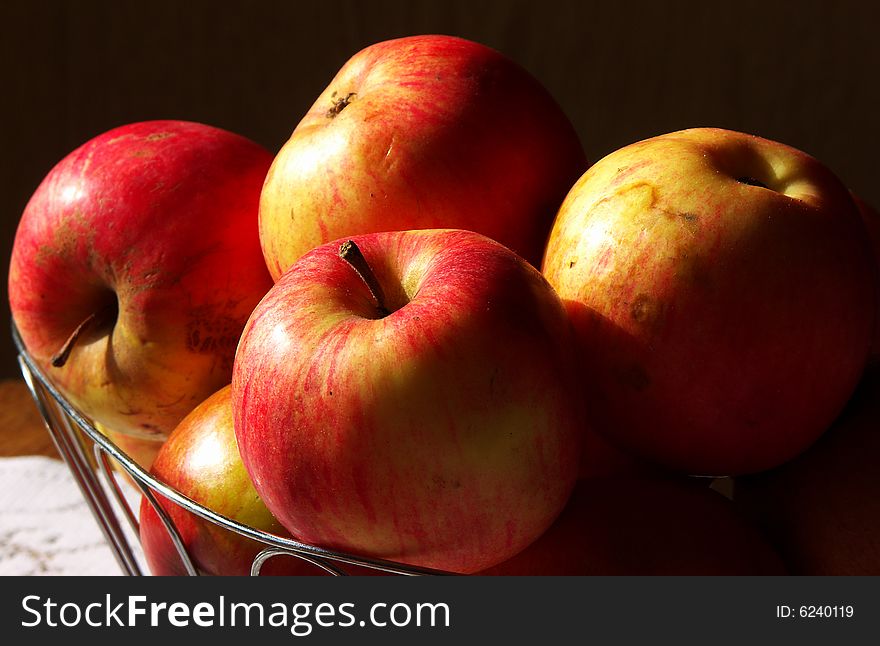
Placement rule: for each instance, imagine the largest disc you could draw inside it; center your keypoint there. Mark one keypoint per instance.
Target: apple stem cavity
(751, 181)
(59, 359)
(351, 253)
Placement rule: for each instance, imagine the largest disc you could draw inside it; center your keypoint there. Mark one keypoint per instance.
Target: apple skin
(445, 435)
(440, 132)
(643, 526)
(722, 325)
(200, 460)
(871, 220)
(822, 510)
(152, 226)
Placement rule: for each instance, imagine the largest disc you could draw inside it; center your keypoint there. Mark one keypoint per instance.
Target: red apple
(871, 220)
(413, 402)
(201, 461)
(620, 526)
(135, 266)
(417, 133)
(723, 296)
(823, 509)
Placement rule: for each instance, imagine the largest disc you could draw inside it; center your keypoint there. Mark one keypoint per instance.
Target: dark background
(805, 73)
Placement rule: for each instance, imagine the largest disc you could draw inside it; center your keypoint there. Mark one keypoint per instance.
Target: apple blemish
(339, 104)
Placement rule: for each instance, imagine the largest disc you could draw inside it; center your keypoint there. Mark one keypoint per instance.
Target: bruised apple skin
(435, 424)
(723, 297)
(418, 133)
(643, 526)
(135, 266)
(200, 460)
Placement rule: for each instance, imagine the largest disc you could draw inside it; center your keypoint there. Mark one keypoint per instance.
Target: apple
(419, 133)
(723, 297)
(643, 526)
(871, 220)
(822, 510)
(135, 266)
(409, 396)
(200, 460)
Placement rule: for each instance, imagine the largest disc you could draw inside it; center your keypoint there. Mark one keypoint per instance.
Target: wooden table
(21, 428)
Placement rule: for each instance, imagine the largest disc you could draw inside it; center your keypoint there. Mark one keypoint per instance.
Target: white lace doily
(46, 528)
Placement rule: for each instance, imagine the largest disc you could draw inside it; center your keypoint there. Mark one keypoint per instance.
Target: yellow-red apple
(723, 297)
(200, 460)
(417, 133)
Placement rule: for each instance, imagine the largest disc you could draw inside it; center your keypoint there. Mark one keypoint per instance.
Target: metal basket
(74, 435)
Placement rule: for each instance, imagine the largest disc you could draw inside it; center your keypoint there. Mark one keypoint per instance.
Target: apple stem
(61, 357)
(351, 253)
(100, 317)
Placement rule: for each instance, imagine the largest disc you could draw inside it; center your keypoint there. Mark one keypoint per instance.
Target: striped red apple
(409, 397)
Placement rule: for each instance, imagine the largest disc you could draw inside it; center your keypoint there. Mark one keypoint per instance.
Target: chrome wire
(170, 527)
(70, 450)
(271, 552)
(103, 463)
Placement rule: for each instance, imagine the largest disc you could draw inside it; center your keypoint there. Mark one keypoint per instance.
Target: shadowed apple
(645, 526)
(822, 510)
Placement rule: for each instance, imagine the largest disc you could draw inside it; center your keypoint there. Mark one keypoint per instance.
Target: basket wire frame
(74, 434)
